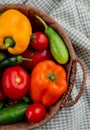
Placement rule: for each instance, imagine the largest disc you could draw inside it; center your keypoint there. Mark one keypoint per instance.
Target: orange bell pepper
(15, 31)
(48, 82)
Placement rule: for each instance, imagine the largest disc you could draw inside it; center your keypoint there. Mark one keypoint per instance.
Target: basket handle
(71, 103)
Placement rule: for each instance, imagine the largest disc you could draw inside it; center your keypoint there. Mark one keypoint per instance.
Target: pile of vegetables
(32, 76)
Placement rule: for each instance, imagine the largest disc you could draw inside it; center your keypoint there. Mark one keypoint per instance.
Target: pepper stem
(20, 58)
(42, 21)
(52, 76)
(8, 42)
(33, 37)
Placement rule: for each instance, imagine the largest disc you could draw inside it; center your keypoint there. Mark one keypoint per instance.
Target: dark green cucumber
(13, 113)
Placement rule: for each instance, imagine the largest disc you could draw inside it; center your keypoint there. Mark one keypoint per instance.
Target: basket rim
(65, 37)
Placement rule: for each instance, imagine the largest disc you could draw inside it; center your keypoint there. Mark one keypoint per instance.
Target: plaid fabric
(74, 17)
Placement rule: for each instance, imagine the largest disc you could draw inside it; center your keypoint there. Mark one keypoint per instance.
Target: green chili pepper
(13, 113)
(2, 56)
(57, 46)
(12, 61)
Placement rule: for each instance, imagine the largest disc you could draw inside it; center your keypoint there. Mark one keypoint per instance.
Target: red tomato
(36, 56)
(15, 82)
(35, 112)
(39, 41)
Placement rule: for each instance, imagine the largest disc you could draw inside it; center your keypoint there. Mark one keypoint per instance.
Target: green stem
(52, 76)
(42, 21)
(33, 37)
(20, 58)
(8, 42)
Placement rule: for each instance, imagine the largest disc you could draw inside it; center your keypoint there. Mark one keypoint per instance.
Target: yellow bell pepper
(15, 31)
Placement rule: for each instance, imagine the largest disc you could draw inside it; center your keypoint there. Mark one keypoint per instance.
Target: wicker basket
(70, 66)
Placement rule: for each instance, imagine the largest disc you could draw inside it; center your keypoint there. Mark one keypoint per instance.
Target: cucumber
(13, 113)
(57, 45)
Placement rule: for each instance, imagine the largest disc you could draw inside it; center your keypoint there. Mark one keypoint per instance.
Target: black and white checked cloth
(74, 17)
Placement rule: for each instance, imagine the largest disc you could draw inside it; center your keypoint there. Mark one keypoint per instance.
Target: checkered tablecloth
(74, 17)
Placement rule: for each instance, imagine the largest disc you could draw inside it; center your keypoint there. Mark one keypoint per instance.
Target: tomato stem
(52, 76)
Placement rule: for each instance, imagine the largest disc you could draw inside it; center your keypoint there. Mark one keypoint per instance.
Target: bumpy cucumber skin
(13, 113)
(57, 46)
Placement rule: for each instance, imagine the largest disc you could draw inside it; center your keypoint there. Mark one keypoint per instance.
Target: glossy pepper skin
(11, 61)
(15, 25)
(48, 82)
